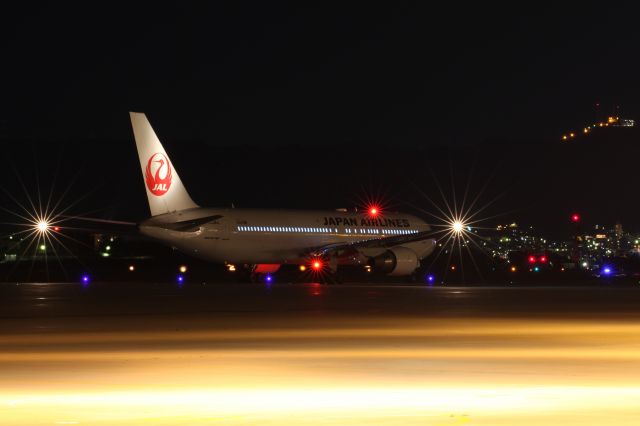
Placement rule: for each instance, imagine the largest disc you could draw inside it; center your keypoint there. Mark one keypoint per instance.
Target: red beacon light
(532, 259)
(316, 265)
(374, 211)
(543, 259)
(575, 217)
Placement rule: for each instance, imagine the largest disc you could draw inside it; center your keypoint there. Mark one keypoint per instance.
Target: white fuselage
(247, 236)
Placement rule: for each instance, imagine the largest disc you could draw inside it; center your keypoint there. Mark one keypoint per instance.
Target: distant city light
(532, 259)
(430, 278)
(183, 268)
(585, 264)
(611, 121)
(514, 269)
(132, 268)
(43, 247)
(303, 268)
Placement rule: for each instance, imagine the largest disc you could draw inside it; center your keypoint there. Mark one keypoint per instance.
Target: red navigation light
(56, 228)
(575, 217)
(543, 259)
(532, 259)
(374, 211)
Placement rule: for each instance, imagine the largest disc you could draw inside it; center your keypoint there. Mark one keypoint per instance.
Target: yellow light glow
(303, 268)
(231, 268)
(514, 269)
(564, 137)
(584, 375)
(132, 268)
(183, 268)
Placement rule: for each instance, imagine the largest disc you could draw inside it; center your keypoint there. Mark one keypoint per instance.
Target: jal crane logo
(158, 174)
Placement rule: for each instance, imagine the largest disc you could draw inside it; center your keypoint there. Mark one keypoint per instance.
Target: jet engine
(397, 261)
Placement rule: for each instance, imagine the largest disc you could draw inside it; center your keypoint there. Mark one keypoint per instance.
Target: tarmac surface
(237, 354)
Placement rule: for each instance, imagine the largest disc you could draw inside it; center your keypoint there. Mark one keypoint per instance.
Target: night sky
(315, 107)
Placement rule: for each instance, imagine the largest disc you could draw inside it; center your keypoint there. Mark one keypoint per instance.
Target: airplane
(264, 240)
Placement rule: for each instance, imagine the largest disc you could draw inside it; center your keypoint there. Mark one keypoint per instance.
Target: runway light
(457, 226)
(303, 268)
(182, 269)
(42, 226)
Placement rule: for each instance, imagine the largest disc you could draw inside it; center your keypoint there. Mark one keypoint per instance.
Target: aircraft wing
(89, 225)
(382, 242)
